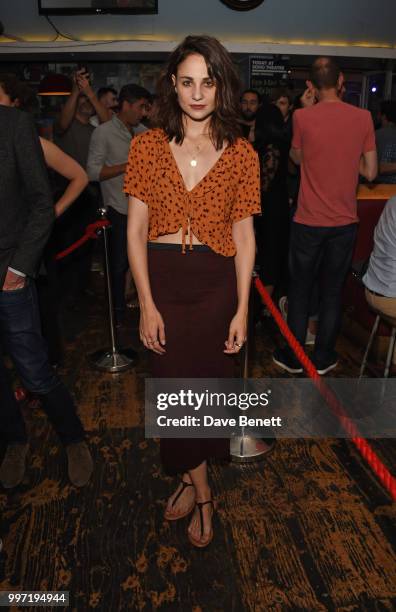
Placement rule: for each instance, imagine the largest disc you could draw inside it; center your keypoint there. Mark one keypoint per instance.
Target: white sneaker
(323, 370)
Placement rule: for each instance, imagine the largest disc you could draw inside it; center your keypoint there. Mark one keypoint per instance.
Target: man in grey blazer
(26, 215)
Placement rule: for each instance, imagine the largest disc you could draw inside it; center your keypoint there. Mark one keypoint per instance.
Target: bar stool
(392, 338)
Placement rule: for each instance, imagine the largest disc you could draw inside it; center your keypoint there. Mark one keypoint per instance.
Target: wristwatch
(242, 5)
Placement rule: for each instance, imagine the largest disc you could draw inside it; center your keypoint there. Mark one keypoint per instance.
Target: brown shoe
(80, 465)
(12, 470)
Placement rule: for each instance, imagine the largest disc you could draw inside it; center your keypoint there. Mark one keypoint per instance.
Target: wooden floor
(309, 528)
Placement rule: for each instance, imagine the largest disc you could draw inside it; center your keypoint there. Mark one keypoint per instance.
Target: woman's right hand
(152, 329)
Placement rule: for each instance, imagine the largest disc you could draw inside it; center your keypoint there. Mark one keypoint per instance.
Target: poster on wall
(267, 72)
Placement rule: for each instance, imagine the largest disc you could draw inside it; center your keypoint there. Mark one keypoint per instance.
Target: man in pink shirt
(333, 142)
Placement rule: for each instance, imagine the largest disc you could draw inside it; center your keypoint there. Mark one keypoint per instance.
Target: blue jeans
(20, 336)
(325, 254)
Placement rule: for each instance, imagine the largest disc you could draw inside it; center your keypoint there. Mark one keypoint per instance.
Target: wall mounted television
(97, 7)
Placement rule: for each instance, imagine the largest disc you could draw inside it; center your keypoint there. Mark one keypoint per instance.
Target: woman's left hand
(237, 334)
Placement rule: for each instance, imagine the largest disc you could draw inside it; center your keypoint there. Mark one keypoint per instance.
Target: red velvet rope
(388, 481)
(90, 232)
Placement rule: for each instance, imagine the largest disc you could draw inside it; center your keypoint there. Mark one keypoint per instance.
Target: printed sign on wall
(267, 72)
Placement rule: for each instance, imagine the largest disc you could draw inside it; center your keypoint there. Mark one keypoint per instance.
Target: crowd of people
(200, 185)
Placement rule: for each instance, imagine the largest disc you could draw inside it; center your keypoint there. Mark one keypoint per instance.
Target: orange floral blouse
(229, 192)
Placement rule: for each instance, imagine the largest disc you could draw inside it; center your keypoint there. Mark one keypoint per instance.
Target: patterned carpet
(308, 529)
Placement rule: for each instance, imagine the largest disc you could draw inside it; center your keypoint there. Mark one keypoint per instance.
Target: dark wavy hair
(225, 121)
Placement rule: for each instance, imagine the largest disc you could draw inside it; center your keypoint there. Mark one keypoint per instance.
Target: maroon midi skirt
(196, 294)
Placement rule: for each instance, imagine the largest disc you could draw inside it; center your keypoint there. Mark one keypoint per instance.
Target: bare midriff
(177, 238)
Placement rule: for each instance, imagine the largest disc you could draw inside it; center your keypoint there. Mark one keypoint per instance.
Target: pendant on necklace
(193, 163)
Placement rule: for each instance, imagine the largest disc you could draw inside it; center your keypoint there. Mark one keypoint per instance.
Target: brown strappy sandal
(171, 517)
(198, 543)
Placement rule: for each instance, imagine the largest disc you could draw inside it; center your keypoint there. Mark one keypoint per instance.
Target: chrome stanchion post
(243, 447)
(111, 360)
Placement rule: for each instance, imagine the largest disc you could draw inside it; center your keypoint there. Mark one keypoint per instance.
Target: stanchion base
(107, 361)
(245, 449)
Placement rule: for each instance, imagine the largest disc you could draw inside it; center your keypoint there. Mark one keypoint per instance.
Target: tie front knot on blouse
(229, 192)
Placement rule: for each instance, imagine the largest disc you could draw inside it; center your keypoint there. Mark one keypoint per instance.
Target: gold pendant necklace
(194, 160)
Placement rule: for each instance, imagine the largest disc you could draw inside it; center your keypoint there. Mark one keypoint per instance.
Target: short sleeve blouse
(229, 192)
